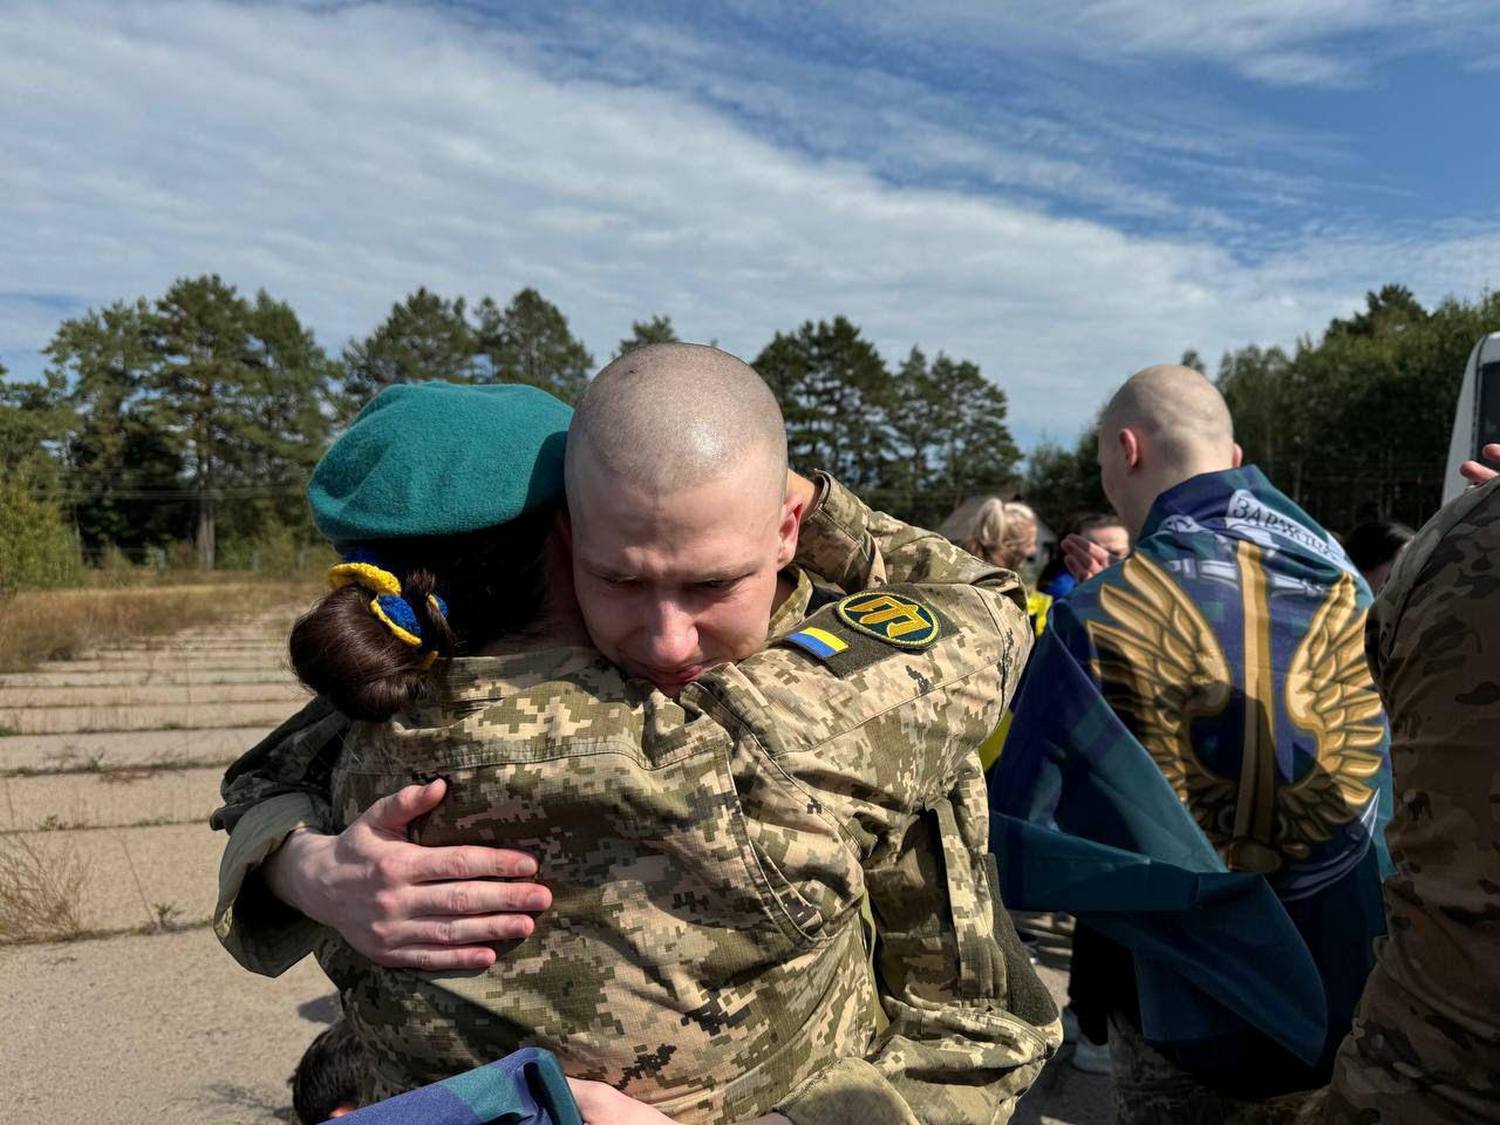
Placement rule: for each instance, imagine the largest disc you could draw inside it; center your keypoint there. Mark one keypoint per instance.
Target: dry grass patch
(64, 624)
(40, 892)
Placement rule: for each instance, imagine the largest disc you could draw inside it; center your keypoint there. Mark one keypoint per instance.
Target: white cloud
(1301, 68)
(341, 157)
(1279, 42)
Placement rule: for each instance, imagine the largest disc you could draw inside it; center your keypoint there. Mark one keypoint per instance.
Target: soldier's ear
(791, 522)
(1130, 448)
(1239, 456)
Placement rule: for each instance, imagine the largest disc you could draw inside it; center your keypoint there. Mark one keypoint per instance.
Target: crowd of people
(635, 745)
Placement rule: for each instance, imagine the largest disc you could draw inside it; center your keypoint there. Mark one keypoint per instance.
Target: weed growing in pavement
(64, 766)
(127, 775)
(8, 732)
(40, 891)
(166, 914)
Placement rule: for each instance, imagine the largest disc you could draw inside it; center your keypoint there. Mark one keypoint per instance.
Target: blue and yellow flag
(526, 1087)
(1197, 766)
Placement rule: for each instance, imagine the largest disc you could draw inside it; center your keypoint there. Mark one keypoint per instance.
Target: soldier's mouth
(675, 677)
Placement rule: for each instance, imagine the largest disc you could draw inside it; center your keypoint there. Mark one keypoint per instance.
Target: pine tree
(529, 342)
(423, 337)
(236, 386)
(833, 388)
(657, 330)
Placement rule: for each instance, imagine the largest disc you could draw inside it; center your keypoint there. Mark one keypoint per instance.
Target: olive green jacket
(1426, 1039)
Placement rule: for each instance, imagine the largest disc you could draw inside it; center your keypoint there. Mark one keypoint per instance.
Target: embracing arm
(855, 547)
(285, 873)
(277, 787)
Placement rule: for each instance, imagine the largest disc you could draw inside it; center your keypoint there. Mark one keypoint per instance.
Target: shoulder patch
(900, 621)
(820, 642)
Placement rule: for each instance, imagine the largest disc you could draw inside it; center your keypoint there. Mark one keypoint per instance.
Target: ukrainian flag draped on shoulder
(1198, 766)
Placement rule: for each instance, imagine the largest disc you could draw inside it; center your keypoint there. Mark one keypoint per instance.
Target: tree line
(197, 416)
(1353, 424)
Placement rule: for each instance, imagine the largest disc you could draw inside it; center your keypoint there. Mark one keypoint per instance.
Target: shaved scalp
(664, 417)
(1179, 412)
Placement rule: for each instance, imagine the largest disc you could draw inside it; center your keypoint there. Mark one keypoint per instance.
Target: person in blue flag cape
(1197, 768)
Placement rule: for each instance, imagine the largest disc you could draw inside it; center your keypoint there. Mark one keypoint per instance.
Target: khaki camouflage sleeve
(261, 932)
(855, 547)
(1426, 1039)
(280, 784)
(970, 1025)
(884, 740)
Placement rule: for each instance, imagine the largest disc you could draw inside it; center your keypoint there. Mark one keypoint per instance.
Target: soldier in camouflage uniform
(709, 857)
(1426, 1040)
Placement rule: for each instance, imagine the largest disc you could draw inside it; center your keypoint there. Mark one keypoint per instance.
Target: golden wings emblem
(1161, 667)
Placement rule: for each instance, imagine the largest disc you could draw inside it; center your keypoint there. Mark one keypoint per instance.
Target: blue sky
(1060, 193)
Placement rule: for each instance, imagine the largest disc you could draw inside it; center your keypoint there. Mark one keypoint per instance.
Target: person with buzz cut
(1197, 769)
(712, 727)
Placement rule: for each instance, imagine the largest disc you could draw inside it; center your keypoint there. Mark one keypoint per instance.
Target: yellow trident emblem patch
(895, 620)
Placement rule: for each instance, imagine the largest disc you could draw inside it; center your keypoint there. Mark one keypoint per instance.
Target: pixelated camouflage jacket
(708, 859)
(1426, 1040)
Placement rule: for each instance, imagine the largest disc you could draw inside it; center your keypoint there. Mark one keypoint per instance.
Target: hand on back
(402, 904)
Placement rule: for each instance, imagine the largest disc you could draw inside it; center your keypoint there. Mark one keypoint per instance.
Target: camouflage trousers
(1150, 1089)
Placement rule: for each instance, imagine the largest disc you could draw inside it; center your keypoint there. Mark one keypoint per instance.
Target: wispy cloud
(1279, 42)
(342, 155)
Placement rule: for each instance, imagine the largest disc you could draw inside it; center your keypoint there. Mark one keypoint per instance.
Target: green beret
(440, 459)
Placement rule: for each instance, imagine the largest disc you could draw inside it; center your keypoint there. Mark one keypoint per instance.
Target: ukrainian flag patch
(819, 642)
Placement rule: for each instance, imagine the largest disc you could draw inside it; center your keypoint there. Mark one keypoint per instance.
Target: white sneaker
(1091, 1058)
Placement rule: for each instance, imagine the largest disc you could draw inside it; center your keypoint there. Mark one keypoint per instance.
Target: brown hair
(492, 580)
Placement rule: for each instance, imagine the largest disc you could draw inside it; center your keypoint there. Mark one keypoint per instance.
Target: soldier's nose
(672, 640)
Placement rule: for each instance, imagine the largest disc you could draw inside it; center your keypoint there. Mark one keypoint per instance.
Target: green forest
(181, 429)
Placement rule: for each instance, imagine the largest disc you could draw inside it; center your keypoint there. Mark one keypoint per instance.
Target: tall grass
(40, 891)
(44, 625)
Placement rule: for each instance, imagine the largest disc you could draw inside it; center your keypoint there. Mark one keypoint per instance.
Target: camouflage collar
(789, 614)
(469, 677)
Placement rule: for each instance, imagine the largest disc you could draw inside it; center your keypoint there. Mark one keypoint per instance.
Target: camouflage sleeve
(280, 784)
(855, 547)
(883, 740)
(1426, 1041)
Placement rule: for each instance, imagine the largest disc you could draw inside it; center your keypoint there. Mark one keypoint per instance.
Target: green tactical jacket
(1426, 1039)
(709, 857)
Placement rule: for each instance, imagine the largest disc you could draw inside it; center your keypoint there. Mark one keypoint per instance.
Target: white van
(1477, 421)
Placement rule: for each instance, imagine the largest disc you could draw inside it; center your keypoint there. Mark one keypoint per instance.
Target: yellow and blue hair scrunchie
(360, 568)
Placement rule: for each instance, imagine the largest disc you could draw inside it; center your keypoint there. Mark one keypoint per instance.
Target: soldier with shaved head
(1197, 768)
(724, 714)
(681, 522)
